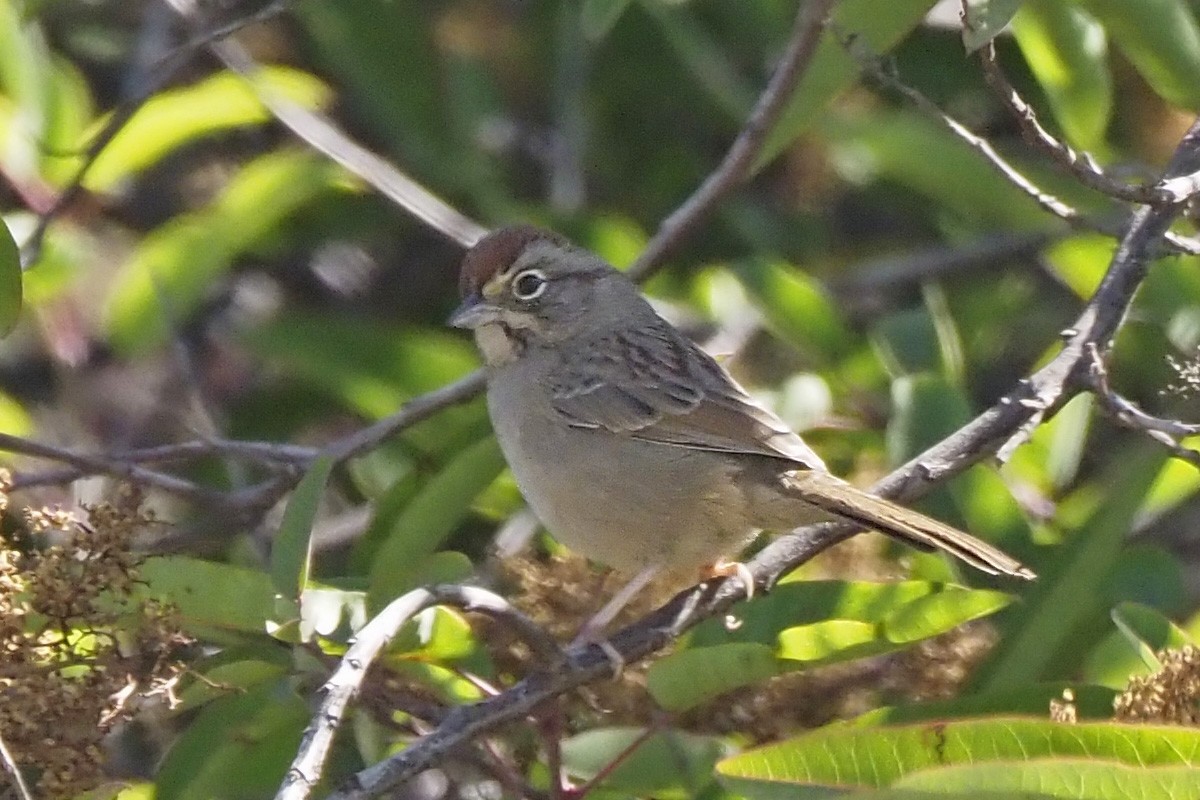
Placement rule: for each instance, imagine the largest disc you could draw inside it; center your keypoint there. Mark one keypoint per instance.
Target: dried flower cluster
(1171, 695)
(1187, 373)
(76, 645)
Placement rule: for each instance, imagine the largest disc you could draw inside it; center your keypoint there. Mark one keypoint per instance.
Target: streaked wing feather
(657, 386)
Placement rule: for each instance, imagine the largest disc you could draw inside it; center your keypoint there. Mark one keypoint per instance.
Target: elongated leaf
(172, 119)
(1090, 702)
(432, 515)
(1148, 631)
(1071, 589)
(689, 677)
(1073, 778)
(177, 265)
(985, 20)
(880, 145)
(704, 58)
(1067, 51)
(877, 27)
(291, 553)
(802, 624)
(239, 746)
(599, 16)
(209, 595)
(10, 281)
(668, 761)
(796, 307)
(847, 757)
(233, 669)
(1162, 39)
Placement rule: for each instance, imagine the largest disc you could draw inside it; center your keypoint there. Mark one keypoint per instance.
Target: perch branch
(988, 434)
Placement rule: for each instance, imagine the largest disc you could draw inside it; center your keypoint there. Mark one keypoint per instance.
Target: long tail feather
(841, 499)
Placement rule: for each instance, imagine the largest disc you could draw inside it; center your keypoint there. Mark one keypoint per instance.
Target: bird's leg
(731, 569)
(592, 631)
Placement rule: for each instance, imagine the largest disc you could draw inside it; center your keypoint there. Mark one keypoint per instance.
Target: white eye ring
(529, 284)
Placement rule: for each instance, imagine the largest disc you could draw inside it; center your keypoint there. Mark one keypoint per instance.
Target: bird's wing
(656, 385)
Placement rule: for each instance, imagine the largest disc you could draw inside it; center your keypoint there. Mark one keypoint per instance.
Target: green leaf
(1161, 39)
(239, 746)
(327, 611)
(599, 16)
(869, 146)
(940, 611)
(10, 281)
(1068, 778)
(1067, 51)
(687, 678)
(234, 669)
(833, 639)
(433, 515)
(178, 264)
(291, 554)
(447, 566)
(801, 624)
(847, 757)
(926, 616)
(1148, 631)
(14, 419)
(704, 58)
(985, 19)
(796, 307)
(1070, 590)
(371, 366)
(669, 761)
(925, 408)
(209, 595)
(173, 118)
(1091, 702)
(437, 635)
(875, 26)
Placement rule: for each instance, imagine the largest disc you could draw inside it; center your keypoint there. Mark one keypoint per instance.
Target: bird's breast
(611, 497)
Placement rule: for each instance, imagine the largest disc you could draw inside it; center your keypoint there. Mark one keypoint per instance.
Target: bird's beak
(473, 313)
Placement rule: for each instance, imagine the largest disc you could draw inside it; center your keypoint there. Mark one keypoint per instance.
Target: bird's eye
(529, 284)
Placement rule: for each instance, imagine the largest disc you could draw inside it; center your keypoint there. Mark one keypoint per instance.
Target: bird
(634, 447)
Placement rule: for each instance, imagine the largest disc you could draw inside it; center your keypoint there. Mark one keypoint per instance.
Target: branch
(320, 133)
(21, 789)
(107, 465)
(1049, 202)
(1080, 165)
(988, 434)
(1166, 432)
(736, 167)
(347, 680)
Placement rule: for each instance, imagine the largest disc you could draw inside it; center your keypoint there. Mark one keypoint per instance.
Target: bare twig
(942, 261)
(347, 680)
(1080, 165)
(323, 135)
(1166, 432)
(1049, 202)
(106, 465)
(738, 162)
(420, 408)
(14, 772)
(269, 454)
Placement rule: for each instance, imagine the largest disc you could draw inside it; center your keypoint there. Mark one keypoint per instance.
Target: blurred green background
(877, 283)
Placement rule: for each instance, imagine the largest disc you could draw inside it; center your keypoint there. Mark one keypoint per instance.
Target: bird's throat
(499, 344)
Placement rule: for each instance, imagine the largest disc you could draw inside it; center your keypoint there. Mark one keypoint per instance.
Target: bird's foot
(732, 569)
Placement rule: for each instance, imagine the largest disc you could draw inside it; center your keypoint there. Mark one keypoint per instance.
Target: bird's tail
(840, 499)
